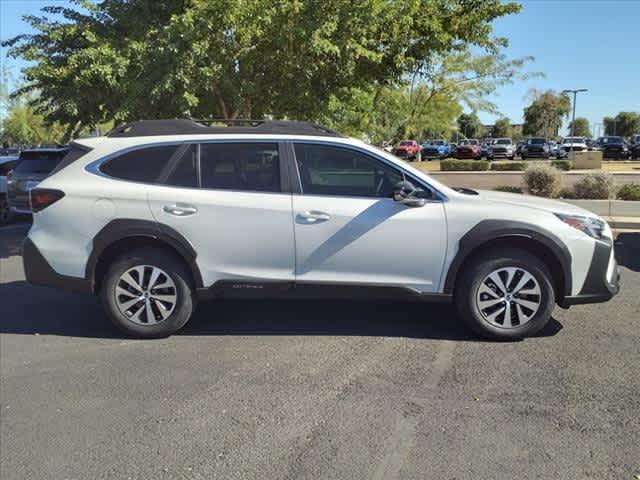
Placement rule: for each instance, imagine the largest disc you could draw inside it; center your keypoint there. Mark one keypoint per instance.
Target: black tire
(174, 268)
(471, 279)
(5, 211)
(523, 157)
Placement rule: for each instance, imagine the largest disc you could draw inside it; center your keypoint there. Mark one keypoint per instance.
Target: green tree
(427, 103)
(24, 126)
(580, 127)
(130, 59)
(544, 115)
(502, 128)
(624, 124)
(470, 126)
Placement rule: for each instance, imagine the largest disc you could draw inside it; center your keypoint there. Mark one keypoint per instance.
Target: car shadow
(627, 248)
(12, 238)
(39, 310)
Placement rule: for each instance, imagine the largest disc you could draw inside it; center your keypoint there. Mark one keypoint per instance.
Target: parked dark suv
(535, 147)
(614, 147)
(33, 167)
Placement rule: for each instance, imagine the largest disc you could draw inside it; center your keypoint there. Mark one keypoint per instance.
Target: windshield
(536, 141)
(38, 162)
(406, 144)
(502, 141)
(611, 140)
(439, 142)
(574, 140)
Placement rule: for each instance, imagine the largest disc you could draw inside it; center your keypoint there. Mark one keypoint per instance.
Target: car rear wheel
(506, 294)
(148, 293)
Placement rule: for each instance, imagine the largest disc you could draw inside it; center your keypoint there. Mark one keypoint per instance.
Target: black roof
(146, 128)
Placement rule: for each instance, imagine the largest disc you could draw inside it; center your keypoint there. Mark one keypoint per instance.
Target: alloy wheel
(509, 297)
(146, 295)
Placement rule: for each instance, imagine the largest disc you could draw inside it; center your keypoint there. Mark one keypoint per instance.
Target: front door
(348, 229)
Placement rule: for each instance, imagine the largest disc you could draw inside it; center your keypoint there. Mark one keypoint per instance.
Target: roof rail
(146, 128)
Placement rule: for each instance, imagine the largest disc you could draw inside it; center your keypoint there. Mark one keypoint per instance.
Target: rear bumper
(38, 271)
(603, 278)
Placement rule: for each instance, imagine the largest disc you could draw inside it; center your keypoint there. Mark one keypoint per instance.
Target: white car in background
(160, 214)
(576, 144)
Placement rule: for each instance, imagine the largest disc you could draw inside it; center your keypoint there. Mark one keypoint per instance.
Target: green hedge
(562, 164)
(509, 166)
(463, 165)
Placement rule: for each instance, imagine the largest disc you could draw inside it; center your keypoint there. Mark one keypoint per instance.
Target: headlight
(591, 226)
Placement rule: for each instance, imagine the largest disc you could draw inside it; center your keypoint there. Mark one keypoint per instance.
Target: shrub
(463, 165)
(508, 189)
(542, 180)
(595, 186)
(509, 166)
(629, 191)
(562, 164)
(566, 192)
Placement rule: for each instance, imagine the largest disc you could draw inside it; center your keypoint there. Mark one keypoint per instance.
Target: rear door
(349, 230)
(227, 200)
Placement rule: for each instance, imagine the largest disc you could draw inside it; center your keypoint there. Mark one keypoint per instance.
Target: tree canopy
(502, 128)
(544, 115)
(129, 59)
(580, 127)
(623, 124)
(470, 126)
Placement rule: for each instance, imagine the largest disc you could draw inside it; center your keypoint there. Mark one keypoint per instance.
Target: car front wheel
(506, 294)
(148, 294)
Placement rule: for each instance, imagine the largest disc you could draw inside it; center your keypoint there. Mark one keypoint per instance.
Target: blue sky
(590, 44)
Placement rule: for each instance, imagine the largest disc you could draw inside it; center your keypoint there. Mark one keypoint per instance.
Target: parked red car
(409, 149)
(469, 149)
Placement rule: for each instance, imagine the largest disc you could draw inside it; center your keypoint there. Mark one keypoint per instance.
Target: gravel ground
(315, 389)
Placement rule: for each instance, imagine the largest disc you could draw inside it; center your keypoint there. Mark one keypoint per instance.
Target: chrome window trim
(94, 166)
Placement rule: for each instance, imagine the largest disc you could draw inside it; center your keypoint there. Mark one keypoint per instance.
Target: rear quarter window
(141, 165)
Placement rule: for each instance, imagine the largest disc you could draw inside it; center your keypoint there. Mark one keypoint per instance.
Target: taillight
(41, 198)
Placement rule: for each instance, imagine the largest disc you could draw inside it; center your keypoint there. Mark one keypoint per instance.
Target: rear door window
(185, 172)
(142, 165)
(240, 166)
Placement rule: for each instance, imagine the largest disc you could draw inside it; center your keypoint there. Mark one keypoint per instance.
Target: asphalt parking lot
(315, 389)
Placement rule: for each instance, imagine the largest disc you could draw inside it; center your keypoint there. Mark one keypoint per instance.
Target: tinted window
(240, 166)
(39, 162)
(326, 170)
(185, 173)
(142, 165)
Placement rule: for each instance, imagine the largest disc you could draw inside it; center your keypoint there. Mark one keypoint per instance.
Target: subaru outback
(160, 214)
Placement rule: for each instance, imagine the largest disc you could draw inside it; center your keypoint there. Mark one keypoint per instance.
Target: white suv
(160, 214)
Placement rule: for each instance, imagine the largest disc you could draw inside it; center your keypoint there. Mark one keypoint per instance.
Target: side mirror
(404, 192)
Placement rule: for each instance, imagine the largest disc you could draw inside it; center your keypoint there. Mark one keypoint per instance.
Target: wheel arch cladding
(122, 235)
(490, 234)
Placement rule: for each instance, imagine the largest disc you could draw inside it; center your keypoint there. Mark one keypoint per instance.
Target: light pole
(573, 121)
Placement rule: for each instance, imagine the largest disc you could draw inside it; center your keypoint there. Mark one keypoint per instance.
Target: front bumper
(603, 278)
(38, 271)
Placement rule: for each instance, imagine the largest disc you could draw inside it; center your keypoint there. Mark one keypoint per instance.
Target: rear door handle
(315, 216)
(180, 209)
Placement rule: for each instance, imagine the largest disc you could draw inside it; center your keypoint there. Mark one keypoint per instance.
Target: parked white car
(577, 144)
(160, 214)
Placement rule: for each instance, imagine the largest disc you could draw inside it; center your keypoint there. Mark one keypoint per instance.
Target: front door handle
(180, 209)
(315, 216)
